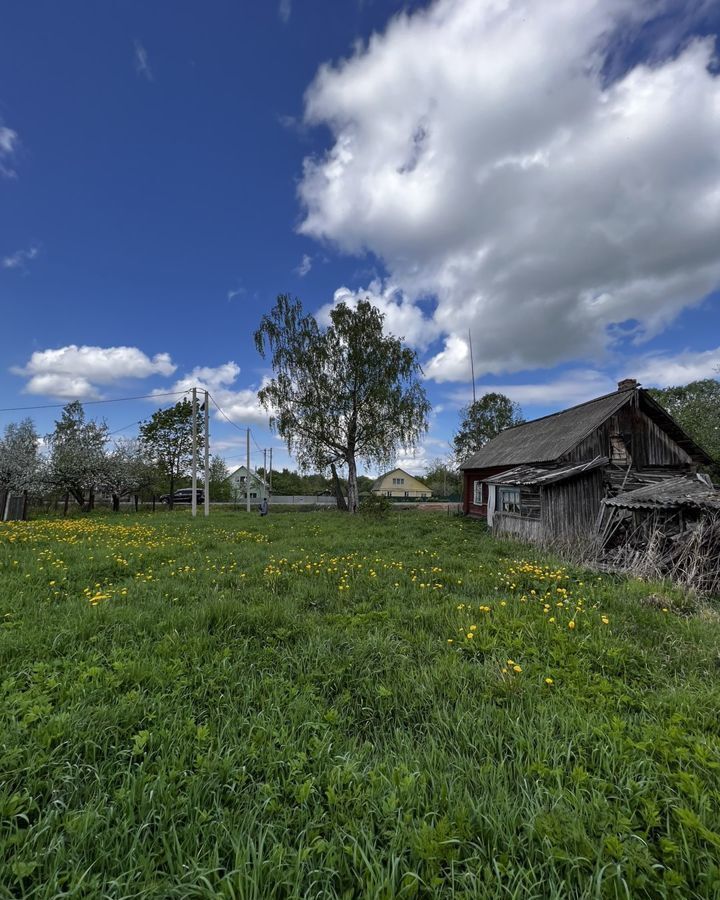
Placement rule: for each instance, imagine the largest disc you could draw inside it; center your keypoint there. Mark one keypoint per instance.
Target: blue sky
(544, 174)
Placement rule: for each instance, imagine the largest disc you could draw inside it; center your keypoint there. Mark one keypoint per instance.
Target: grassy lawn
(312, 706)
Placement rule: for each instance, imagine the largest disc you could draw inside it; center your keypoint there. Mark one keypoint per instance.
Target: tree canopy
(695, 406)
(342, 393)
(20, 462)
(77, 462)
(482, 420)
(167, 440)
(442, 478)
(127, 470)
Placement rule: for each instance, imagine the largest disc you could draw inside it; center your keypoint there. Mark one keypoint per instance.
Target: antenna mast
(472, 364)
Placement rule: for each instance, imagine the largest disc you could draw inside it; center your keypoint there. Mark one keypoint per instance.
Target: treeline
(285, 482)
(82, 459)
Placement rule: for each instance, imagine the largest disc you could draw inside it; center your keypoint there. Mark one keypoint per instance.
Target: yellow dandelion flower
(549, 681)
(517, 669)
(571, 625)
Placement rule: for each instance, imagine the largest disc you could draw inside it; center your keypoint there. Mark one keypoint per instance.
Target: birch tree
(342, 394)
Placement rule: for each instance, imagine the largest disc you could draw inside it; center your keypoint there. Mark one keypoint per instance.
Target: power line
(224, 414)
(124, 428)
(89, 402)
(241, 428)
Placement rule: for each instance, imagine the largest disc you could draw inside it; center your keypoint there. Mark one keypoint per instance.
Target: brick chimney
(628, 384)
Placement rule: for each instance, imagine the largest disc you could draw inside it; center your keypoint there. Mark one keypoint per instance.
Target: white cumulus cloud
(284, 11)
(403, 318)
(240, 405)
(667, 369)
(142, 64)
(479, 150)
(75, 372)
(9, 143)
(305, 265)
(18, 259)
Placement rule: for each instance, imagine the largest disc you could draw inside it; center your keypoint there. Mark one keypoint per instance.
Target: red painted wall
(470, 476)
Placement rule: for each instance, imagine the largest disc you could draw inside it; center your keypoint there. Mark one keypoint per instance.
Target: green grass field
(314, 706)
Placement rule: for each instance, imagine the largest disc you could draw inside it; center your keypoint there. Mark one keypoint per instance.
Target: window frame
(501, 506)
(478, 484)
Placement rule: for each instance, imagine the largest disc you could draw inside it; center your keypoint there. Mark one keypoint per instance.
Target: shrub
(375, 505)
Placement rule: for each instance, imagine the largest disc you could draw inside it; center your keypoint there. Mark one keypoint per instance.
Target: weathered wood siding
(648, 444)
(530, 501)
(570, 508)
(522, 527)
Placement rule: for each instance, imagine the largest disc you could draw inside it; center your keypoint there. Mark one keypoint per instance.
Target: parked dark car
(184, 495)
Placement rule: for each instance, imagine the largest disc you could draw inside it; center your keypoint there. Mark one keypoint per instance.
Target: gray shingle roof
(546, 439)
(544, 475)
(672, 493)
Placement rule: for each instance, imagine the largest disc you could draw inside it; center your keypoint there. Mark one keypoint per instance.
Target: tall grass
(293, 707)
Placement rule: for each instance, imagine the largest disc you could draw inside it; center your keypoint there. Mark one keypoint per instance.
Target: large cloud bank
(478, 150)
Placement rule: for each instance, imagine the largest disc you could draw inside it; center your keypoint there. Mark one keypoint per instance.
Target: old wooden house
(546, 479)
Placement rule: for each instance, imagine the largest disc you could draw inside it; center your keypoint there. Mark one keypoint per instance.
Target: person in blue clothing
(264, 507)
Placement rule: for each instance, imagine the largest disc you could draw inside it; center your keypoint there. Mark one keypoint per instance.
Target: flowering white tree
(78, 463)
(20, 463)
(127, 470)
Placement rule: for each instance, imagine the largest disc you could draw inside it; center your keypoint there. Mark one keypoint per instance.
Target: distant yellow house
(400, 483)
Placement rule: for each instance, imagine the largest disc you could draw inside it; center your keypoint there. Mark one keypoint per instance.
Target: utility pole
(194, 455)
(264, 465)
(247, 476)
(472, 364)
(206, 492)
(270, 481)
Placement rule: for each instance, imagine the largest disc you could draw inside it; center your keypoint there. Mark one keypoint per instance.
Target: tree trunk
(67, 501)
(79, 498)
(136, 502)
(171, 501)
(91, 500)
(341, 503)
(153, 504)
(353, 498)
(116, 503)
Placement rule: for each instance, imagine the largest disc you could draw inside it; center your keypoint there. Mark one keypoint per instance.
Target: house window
(253, 496)
(510, 500)
(407, 493)
(477, 493)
